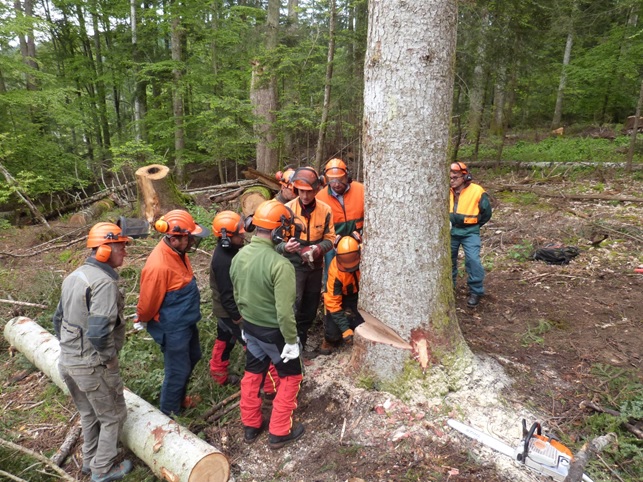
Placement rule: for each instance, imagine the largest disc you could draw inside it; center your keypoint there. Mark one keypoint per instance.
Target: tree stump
(252, 197)
(157, 193)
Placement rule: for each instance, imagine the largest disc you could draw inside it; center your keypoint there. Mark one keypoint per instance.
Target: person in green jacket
(469, 208)
(264, 289)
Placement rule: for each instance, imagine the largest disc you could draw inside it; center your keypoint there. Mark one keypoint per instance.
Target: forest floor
(544, 339)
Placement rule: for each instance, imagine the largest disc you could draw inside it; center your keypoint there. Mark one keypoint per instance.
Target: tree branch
(64, 475)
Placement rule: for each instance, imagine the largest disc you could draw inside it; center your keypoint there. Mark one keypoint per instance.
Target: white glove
(290, 352)
(308, 255)
(140, 325)
(243, 336)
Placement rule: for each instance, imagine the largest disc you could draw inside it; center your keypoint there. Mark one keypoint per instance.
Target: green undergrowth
(617, 389)
(554, 149)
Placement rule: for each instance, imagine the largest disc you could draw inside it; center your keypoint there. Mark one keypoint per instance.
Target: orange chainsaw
(542, 454)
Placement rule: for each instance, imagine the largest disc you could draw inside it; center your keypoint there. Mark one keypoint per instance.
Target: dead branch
(579, 461)
(34, 210)
(220, 187)
(58, 246)
(224, 412)
(64, 475)
(70, 441)
(631, 425)
(23, 303)
(222, 403)
(91, 199)
(12, 477)
(226, 195)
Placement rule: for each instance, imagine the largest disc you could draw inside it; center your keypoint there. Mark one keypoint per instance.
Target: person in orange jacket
(346, 199)
(169, 304)
(286, 193)
(341, 295)
(307, 247)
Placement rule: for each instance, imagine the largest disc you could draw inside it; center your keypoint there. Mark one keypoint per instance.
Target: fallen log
(171, 451)
(68, 444)
(90, 213)
(266, 179)
(252, 197)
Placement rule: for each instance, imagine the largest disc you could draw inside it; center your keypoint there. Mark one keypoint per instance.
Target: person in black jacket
(228, 227)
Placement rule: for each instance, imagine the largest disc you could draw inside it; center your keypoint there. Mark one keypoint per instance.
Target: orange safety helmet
(103, 234)
(335, 168)
(180, 223)
(272, 214)
(227, 223)
(285, 176)
(348, 254)
(462, 168)
(306, 178)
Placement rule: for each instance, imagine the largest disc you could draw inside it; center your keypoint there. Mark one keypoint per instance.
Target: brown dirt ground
(546, 325)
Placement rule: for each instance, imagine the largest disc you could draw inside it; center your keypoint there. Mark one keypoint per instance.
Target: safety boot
(326, 348)
(276, 442)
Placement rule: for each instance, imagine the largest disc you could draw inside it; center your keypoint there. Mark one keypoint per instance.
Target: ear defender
(103, 253)
(161, 225)
(225, 240)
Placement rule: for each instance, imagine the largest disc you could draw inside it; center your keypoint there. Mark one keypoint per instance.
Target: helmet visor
(348, 262)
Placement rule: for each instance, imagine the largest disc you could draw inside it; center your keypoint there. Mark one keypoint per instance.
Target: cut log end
(211, 468)
(153, 172)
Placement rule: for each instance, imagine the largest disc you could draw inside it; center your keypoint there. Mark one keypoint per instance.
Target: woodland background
(93, 89)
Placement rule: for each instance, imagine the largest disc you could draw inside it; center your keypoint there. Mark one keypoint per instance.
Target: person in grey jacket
(90, 325)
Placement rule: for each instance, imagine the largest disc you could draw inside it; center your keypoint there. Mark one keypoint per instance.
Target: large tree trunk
(27, 43)
(100, 83)
(476, 94)
(406, 267)
(171, 451)
(635, 128)
(263, 95)
(177, 90)
(558, 111)
(140, 89)
(319, 152)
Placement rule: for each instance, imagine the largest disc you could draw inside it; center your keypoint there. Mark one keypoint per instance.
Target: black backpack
(555, 253)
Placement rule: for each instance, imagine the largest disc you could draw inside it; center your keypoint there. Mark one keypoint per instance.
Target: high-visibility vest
(468, 203)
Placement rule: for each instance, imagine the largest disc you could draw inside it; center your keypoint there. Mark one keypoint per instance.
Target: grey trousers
(98, 395)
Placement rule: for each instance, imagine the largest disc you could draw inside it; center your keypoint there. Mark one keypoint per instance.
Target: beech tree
(406, 266)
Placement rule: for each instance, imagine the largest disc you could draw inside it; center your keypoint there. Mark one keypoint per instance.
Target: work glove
(243, 336)
(290, 352)
(310, 253)
(347, 336)
(139, 325)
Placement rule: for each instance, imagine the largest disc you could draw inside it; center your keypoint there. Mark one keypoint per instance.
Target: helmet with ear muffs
(277, 218)
(462, 168)
(227, 224)
(307, 179)
(101, 235)
(336, 169)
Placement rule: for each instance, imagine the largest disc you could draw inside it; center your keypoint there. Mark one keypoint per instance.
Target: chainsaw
(536, 451)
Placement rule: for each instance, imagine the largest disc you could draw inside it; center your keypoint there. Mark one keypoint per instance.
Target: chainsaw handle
(534, 428)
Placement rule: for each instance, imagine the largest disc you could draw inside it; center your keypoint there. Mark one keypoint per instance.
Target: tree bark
(177, 88)
(172, 452)
(140, 89)
(263, 95)
(408, 92)
(579, 461)
(319, 151)
(558, 111)
(635, 129)
(476, 94)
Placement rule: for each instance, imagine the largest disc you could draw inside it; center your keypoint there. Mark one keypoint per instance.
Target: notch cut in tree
(157, 193)
(171, 451)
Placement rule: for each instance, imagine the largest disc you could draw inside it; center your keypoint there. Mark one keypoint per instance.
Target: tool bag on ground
(555, 253)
